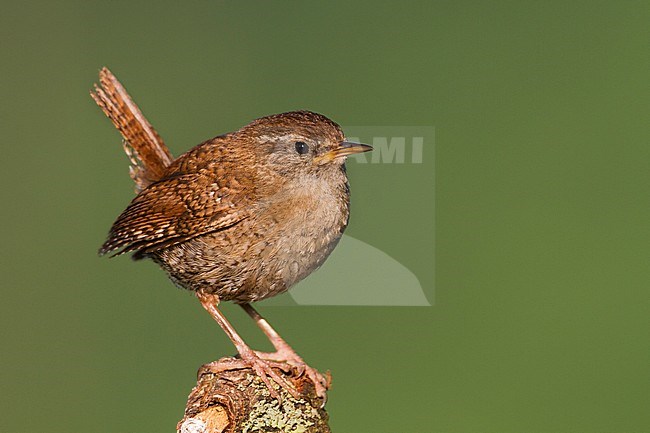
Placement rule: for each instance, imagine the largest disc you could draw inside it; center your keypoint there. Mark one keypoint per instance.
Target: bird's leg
(261, 367)
(284, 352)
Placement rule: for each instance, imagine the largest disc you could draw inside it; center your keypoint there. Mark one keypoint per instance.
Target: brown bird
(240, 217)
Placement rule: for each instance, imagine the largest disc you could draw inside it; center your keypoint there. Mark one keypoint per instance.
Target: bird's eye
(302, 147)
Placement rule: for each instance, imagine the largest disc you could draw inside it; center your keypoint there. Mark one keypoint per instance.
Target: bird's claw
(263, 368)
(321, 383)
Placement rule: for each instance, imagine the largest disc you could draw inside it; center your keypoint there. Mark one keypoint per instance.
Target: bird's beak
(345, 148)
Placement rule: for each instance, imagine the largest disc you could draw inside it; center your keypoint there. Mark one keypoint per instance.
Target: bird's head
(300, 143)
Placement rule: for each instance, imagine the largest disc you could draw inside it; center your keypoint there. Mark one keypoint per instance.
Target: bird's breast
(302, 226)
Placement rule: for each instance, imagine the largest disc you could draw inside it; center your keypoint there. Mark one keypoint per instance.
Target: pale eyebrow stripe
(280, 137)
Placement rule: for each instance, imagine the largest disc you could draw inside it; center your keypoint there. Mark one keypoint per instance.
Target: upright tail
(147, 152)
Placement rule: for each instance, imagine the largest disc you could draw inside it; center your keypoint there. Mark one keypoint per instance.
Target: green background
(542, 209)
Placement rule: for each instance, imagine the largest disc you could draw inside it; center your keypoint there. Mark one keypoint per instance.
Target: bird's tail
(147, 152)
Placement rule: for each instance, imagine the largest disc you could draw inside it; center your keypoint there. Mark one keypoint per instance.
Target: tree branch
(235, 400)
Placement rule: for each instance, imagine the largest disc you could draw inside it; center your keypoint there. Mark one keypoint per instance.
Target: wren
(240, 217)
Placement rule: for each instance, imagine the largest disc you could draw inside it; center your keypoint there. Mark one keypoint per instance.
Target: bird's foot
(288, 356)
(263, 368)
